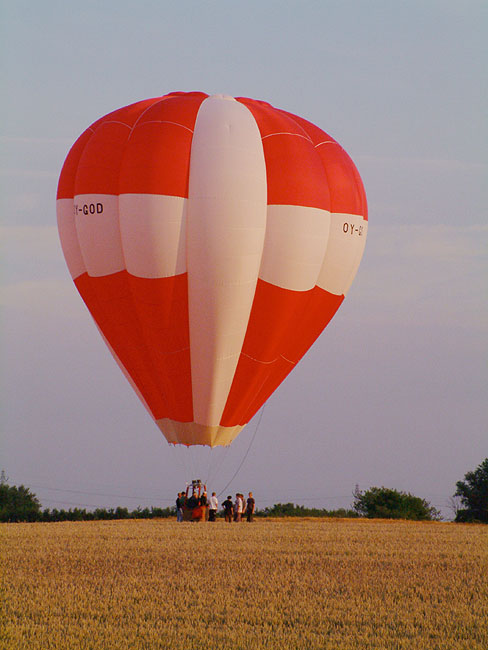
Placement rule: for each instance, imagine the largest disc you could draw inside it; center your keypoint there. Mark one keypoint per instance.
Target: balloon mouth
(192, 433)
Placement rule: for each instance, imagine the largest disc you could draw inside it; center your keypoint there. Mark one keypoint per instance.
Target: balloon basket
(196, 514)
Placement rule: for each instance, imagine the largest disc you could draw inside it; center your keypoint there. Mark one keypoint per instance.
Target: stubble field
(277, 584)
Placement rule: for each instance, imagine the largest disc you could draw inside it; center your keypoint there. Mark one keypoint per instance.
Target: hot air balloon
(212, 239)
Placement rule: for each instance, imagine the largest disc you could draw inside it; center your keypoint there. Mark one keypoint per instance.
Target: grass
(278, 584)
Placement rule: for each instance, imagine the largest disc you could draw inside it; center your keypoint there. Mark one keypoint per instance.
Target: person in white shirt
(213, 504)
(238, 507)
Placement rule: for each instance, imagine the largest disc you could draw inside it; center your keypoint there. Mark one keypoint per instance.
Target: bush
(292, 510)
(385, 503)
(18, 504)
(473, 492)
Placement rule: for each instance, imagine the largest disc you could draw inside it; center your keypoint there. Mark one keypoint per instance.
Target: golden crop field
(278, 584)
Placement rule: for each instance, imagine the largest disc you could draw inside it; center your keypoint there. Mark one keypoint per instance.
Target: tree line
(19, 504)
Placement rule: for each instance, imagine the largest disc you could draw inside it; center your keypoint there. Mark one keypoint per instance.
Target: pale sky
(394, 392)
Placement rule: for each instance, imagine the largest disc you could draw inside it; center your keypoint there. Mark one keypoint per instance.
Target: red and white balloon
(212, 240)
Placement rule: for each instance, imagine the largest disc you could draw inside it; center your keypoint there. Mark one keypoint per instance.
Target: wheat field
(278, 584)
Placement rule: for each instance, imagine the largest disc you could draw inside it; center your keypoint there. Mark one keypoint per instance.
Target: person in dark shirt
(228, 507)
(251, 507)
(179, 506)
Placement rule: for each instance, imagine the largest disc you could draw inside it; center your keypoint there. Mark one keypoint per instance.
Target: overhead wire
(294, 499)
(98, 494)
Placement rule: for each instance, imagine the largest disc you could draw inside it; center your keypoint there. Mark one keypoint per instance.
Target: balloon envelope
(212, 240)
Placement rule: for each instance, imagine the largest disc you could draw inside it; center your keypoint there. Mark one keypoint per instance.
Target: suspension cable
(246, 454)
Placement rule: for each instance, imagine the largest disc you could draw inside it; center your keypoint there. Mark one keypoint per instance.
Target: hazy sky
(394, 392)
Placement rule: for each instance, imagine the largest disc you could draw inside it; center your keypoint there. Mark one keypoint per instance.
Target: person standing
(213, 505)
(238, 507)
(179, 506)
(203, 498)
(251, 507)
(228, 509)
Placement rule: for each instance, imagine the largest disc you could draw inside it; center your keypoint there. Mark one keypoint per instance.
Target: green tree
(386, 503)
(473, 492)
(18, 503)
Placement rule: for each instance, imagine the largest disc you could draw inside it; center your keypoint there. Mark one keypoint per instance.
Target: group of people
(235, 511)
(198, 502)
